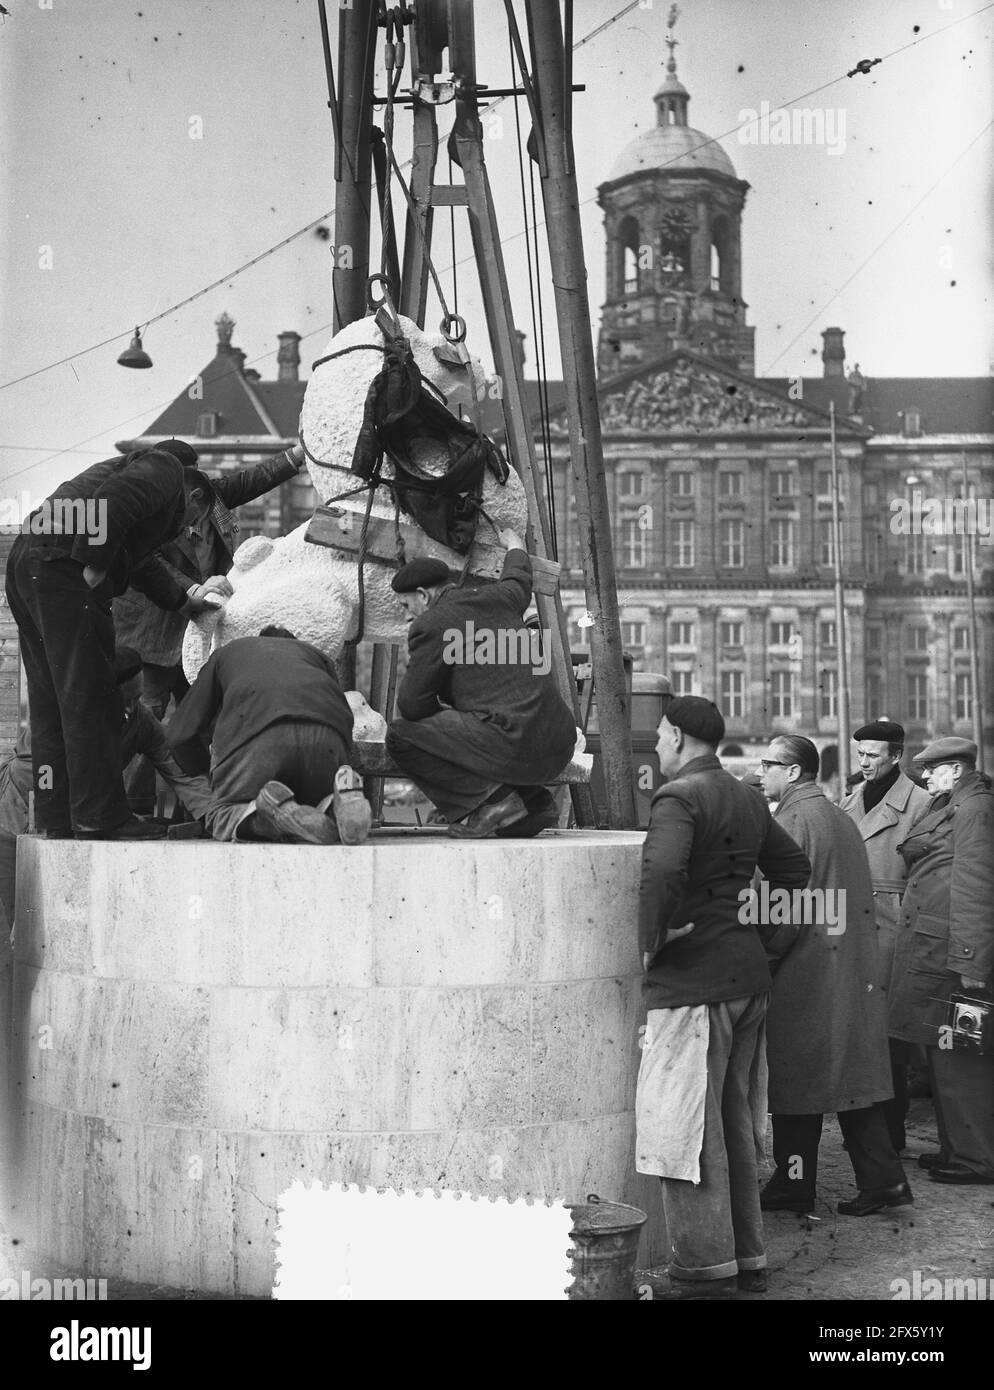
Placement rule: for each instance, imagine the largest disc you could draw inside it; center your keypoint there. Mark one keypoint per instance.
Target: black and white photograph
(497, 665)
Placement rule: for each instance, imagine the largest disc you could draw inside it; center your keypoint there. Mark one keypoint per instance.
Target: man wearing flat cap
(947, 948)
(95, 535)
(482, 728)
(198, 557)
(885, 805)
(700, 1104)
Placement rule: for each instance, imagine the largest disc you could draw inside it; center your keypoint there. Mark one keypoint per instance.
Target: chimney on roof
(239, 357)
(833, 353)
(519, 348)
(288, 357)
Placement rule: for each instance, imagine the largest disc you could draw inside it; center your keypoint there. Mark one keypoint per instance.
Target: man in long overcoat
(885, 805)
(482, 726)
(827, 1025)
(948, 917)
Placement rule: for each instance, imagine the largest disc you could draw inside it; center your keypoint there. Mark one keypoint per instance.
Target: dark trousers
(158, 684)
(963, 1095)
(304, 757)
(896, 1109)
(715, 1227)
(67, 645)
(864, 1133)
(438, 757)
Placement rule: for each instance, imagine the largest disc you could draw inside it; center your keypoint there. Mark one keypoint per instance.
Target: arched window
(721, 248)
(629, 243)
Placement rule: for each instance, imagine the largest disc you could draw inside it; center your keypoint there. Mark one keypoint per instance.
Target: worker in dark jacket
(198, 558)
(947, 947)
(482, 727)
(700, 1103)
(282, 736)
(95, 535)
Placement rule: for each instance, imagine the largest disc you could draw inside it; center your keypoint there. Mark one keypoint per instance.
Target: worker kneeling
(282, 741)
(482, 728)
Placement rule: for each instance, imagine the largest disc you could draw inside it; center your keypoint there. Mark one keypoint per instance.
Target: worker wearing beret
(482, 728)
(947, 947)
(885, 805)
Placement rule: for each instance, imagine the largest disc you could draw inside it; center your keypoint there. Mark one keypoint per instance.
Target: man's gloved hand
(93, 578)
(510, 539)
(217, 584)
(296, 455)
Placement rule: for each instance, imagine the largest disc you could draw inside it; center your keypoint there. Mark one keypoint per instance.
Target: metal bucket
(605, 1238)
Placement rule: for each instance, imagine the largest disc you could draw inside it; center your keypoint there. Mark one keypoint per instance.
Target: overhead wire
(517, 235)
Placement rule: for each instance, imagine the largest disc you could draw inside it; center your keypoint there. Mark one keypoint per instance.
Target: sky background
(97, 164)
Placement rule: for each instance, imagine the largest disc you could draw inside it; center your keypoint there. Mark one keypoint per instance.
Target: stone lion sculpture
(312, 589)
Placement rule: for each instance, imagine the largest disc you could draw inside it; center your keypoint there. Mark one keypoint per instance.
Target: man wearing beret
(885, 805)
(947, 947)
(700, 1105)
(482, 728)
(198, 557)
(95, 535)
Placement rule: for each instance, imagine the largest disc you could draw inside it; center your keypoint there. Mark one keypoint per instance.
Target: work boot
(353, 813)
(276, 811)
(130, 829)
(492, 816)
(542, 814)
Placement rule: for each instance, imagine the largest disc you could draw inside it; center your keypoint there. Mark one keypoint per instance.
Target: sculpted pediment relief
(689, 395)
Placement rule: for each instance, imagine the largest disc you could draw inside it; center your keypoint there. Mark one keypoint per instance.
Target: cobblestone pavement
(947, 1234)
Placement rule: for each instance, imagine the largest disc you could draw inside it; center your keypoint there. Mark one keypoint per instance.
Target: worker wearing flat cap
(947, 947)
(482, 728)
(885, 805)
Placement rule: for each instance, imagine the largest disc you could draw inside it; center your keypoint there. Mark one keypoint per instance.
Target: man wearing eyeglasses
(885, 805)
(827, 1022)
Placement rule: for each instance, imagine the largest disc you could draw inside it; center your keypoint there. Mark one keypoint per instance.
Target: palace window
(733, 694)
(781, 634)
(681, 633)
(781, 543)
(632, 544)
(683, 545)
(632, 634)
(631, 484)
(731, 483)
(682, 483)
(962, 698)
(782, 694)
(916, 638)
(916, 688)
(732, 634)
(826, 543)
(732, 540)
(829, 695)
(826, 633)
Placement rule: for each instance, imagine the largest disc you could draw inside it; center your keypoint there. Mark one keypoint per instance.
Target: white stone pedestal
(197, 1025)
